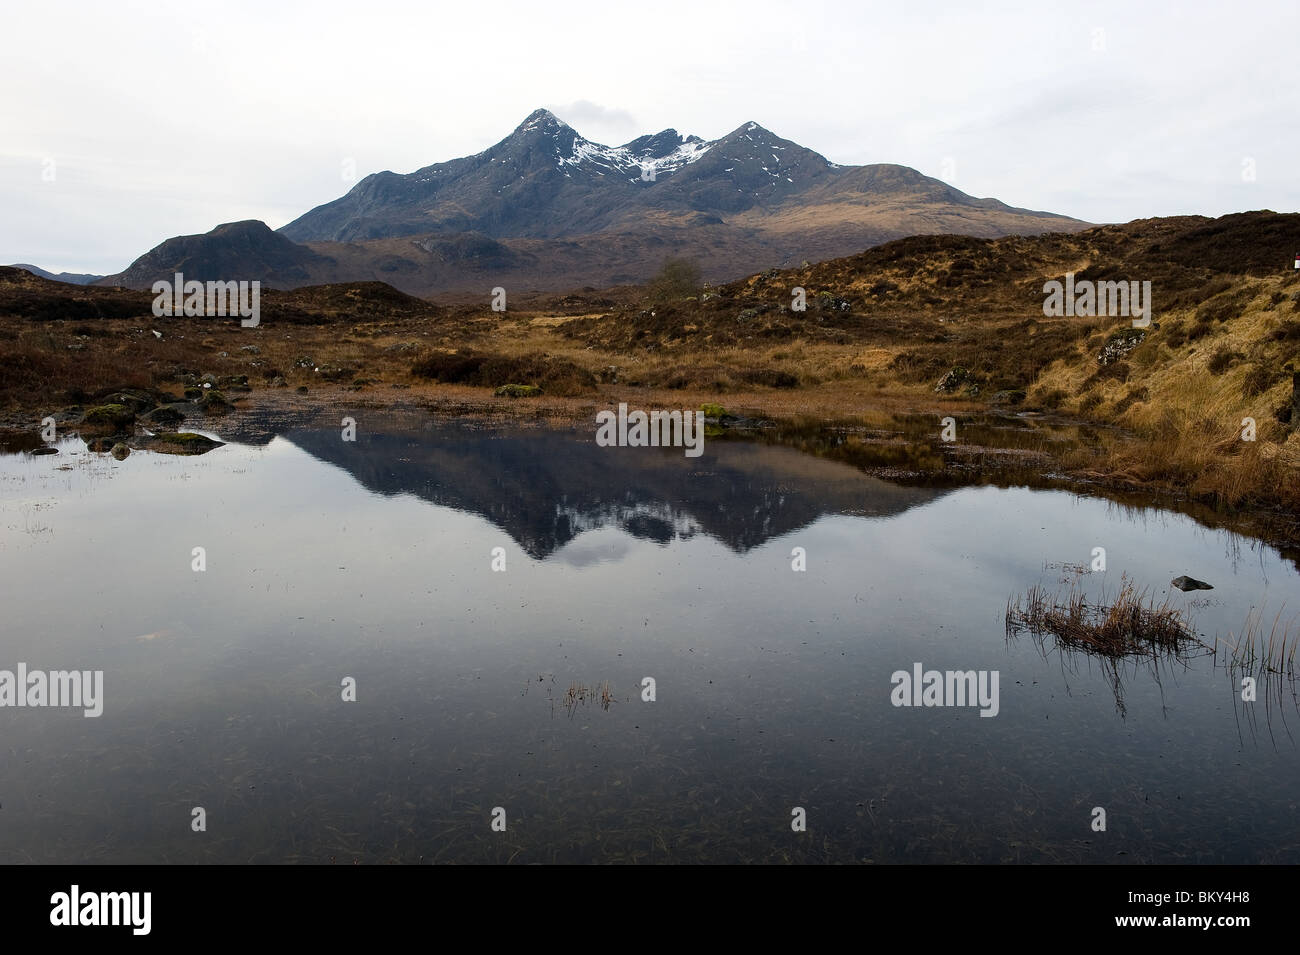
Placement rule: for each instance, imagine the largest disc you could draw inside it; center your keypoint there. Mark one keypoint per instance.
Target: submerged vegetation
(580, 694)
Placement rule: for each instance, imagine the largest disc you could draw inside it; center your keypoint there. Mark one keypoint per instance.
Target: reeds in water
(1132, 624)
(1255, 650)
(581, 693)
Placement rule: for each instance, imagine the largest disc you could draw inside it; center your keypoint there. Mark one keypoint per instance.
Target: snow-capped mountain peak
(645, 159)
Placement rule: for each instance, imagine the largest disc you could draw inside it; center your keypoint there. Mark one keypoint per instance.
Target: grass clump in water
(1133, 624)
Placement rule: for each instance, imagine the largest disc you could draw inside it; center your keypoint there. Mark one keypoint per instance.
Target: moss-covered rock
(716, 420)
(165, 416)
(134, 398)
(518, 391)
(120, 451)
(214, 402)
(113, 416)
(183, 442)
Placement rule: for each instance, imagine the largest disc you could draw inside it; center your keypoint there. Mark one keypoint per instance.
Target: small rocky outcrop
(112, 417)
(952, 380)
(183, 442)
(214, 402)
(1120, 344)
(168, 416)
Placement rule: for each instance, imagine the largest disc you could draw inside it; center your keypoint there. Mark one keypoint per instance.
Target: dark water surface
(373, 560)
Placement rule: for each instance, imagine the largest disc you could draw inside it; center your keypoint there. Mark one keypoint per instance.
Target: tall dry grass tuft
(1133, 624)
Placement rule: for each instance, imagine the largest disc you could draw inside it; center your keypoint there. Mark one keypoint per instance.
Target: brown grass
(1130, 625)
(555, 375)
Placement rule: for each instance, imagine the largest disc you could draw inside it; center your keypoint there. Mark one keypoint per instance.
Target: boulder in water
(184, 442)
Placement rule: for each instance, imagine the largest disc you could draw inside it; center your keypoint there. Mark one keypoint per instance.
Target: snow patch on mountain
(601, 159)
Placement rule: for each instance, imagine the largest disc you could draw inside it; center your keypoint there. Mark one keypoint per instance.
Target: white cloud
(591, 119)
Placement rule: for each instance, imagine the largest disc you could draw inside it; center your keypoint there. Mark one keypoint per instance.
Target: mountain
(71, 278)
(546, 209)
(237, 250)
(545, 181)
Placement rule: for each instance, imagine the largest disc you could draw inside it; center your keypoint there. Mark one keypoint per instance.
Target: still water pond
(374, 560)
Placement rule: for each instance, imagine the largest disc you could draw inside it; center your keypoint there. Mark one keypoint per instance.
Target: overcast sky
(125, 123)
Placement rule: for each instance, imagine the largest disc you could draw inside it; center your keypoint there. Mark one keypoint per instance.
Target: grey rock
(1190, 583)
(1120, 344)
(953, 380)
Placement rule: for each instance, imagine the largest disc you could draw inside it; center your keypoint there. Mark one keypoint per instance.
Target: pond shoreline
(891, 439)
